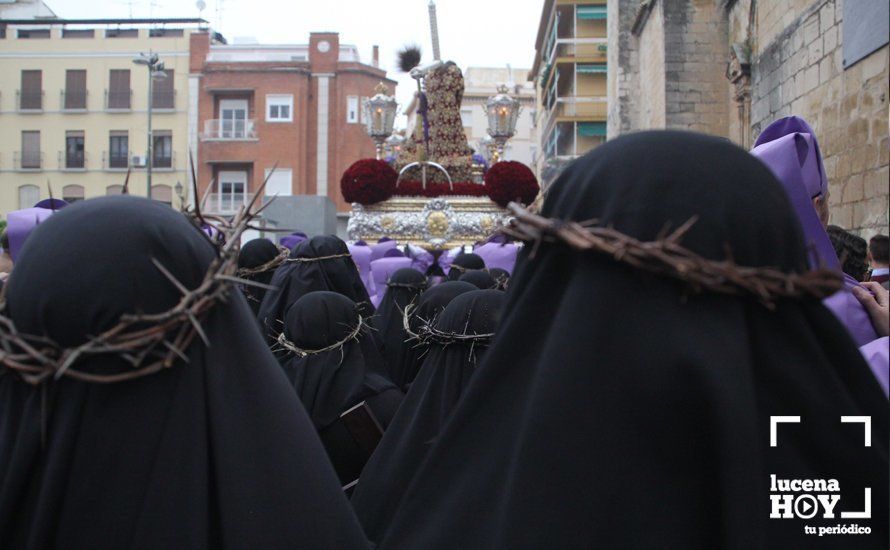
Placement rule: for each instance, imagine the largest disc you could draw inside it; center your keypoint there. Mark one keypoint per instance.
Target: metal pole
(148, 158)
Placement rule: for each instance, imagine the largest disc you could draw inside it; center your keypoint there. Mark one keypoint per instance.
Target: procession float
(431, 189)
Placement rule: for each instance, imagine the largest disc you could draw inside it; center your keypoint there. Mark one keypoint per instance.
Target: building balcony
(29, 101)
(576, 108)
(72, 162)
(229, 130)
(28, 160)
(112, 161)
(592, 49)
(73, 101)
(119, 100)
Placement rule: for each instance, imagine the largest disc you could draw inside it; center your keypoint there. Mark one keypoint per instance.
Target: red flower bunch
(509, 180)
(368, 181)
(461, 188)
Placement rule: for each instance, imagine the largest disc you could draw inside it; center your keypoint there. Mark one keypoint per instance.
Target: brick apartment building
(300, 106)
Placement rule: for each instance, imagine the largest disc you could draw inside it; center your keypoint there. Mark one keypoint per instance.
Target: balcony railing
(118, 100)
(73, 101)
(163, 100)
(579, 47)
(28, 160)
(29, 101)
(115, 161)
(163, 162)
(226, 129)
(72, 161)
(224, 203)
(592, 107)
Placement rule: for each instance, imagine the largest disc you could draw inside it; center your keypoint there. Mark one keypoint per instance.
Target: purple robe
(379, 249)
(382, 270)
(789, 148)
(877, 353)
(361, 256)
(498, 255)
(292, 240)
(20, 224)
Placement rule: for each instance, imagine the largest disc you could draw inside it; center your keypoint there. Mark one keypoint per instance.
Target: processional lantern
(502, 112)
(380, 116)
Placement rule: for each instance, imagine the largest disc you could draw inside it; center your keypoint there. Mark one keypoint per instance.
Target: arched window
(29, 195)
(114, 190)
(72, 193)
(162, 193)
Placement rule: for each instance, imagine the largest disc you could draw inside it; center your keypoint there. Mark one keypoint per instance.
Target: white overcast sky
(482, 33)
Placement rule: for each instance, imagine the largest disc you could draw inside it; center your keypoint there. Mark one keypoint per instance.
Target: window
(114, 190)
(118, 149)
(233, 119)
(118, 89)
(279, 108)
(32, 90)
(75, 89)
(122, 33)
(72, 193)
(162, 193)
(230, 191)
(162, 92)
(29, 195)
(30, 149)
(466, 117)
(352, 109)
(162, 149)
(33, 33)
(280, 182)
(74, 154)
(78, 33)
(168, 33)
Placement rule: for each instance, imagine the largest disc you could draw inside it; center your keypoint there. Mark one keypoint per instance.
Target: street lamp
(155, 71)
(502, 112)
(381, 116)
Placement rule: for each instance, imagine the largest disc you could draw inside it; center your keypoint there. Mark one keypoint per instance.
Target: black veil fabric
(464, 262)
(429, 306)
(214, 453)
(403, 289)
(445, 374)
(616, 409)
(253, 254)
(331, 382)
(479, 278)
(293, 279)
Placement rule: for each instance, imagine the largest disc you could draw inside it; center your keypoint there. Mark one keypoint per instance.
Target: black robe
(404, 288)
(464, 262)
(445, 374)
(621, 409)
(214, 453)
(253, 254)
(479, 278)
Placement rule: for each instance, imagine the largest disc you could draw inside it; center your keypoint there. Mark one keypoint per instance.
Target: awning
(591, 12)
(591, 129)
(592, 68)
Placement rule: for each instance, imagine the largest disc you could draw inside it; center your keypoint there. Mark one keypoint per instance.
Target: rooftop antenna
(200, 4)
(434, 31)
(219, 15)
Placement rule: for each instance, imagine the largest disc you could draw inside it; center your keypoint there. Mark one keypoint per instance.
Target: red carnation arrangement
(368, 181)
(460, 188)
(509, 181)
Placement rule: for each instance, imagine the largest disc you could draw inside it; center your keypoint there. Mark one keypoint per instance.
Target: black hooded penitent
(428, 307)
(217, 452)
(479, 278)
(320, 263)
(464, 262)
(403, 289)
(254, 254)
(621, 409)
(446, 371)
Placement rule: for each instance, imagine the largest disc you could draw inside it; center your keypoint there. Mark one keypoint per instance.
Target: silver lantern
(502, 112)
(393, 145)
(380, 116)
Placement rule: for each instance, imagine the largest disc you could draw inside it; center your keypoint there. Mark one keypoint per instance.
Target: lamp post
(381, 117)
(393, 145)
(178, 190)
(155, 71)
(502, 112)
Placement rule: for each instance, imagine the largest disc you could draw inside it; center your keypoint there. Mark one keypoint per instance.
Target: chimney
(375, 57)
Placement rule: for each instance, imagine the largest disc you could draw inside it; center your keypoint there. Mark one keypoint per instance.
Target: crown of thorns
(353, 335)
(665, 256)
(271, 265)
(147, 342)
(427, 333)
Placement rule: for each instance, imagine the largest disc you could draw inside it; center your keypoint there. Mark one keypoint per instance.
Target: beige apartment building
(570, 72)
(74, 108)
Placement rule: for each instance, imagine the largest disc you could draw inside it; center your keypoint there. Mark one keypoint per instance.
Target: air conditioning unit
(137, 161)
